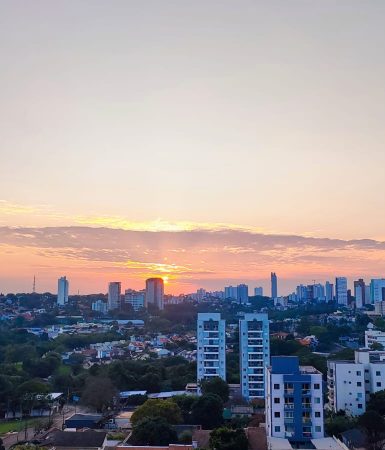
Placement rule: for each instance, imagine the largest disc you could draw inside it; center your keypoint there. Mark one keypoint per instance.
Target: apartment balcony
(307, 434)
(306, 420)
(289, 392)
(306, 392)
(289, 434)
(306, 406)
(288, 420)
(289, 406)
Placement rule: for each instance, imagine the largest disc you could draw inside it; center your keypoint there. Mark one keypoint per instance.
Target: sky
(207, 142)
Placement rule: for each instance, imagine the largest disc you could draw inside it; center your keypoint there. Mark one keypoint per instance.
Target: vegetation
(153, 431)
(216, 386)
(152, 408)
(228, 439)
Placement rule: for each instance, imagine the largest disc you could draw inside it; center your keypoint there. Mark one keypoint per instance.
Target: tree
(376, 346)
(153, 408)
(337, 424)
(1, 445)
(216, 386)
(207, 411)
(99, 393)
(153, 431)
(373, 424)
(227, 439)
(185, 403)
(377, 402)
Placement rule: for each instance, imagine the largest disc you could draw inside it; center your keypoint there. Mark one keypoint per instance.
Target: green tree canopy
(377, 402)
(207, 411)
(153, 431)
(99, 393)
(228, 439)
(152, 408)
(373, 424)
(216, 386)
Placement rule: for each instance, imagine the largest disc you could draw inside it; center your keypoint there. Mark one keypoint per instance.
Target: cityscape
(192, 225)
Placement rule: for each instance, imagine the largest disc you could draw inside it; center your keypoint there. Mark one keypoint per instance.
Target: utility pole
(34, 285)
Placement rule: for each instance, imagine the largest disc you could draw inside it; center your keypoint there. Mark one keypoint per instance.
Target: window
(277, 429)
(318, 429)
(359, 383)
(316, 386)
(358, 373)
(317, 414)
(378, 373)
(317, 400)
(277, 400)
(276, 386)
(277, 414)
(359, 406)
(378, 383)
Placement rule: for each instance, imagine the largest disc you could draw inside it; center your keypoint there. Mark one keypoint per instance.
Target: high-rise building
(201, 294)
(360, 292)
(319, 292)
(242, 294)
(231, 292)
(377, 290)
(114, 292)
(155, 292)
(254, 349)
(301, 292)
(342, 291)
(294, 405)
(350, 383)
(258, 291)
(329, 291)
(62, 291)
(99, 306)
(134, 298)
(274, 285)
(211, 346)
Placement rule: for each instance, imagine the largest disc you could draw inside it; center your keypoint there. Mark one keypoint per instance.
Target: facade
(211, 346)
(294, 405)
(231, 292)
(374, 337)
(99, 306)
(329, 291)
(258, 291)
(350, 383)
(134, 298)
(274, 285)
(254, 349)
(342, 291)
(242, 294)
(377, 290)
(155, 293)
(114, 292)
(379, 308)
(62, 291)
(360, 293)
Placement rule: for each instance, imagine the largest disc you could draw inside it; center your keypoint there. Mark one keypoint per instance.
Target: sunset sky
(211, 142)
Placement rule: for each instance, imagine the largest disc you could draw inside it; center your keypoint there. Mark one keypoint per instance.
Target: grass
(17, 425)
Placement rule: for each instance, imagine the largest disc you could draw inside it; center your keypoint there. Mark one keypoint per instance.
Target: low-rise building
(350, 383)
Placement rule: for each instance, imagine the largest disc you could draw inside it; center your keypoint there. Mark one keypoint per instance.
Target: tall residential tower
(254, 350)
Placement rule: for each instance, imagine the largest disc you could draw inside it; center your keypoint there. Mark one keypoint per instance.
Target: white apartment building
(254, 349)
(211, 346)
(350, 383)
(62, 291)
(134, 298)
(294, 404)
(373, 336)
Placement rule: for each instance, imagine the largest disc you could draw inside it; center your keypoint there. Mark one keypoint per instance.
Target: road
(58, 420)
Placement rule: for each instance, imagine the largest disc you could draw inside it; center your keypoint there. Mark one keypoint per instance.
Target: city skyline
(208, 143)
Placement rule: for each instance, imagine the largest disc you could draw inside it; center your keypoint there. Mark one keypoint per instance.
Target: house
(79, 440)
(84, 421)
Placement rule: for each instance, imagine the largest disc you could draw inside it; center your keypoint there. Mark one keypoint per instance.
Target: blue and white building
(254, 349)
(294, 401)
(211, 346)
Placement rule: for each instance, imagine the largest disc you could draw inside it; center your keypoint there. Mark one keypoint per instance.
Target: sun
(165, 279)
